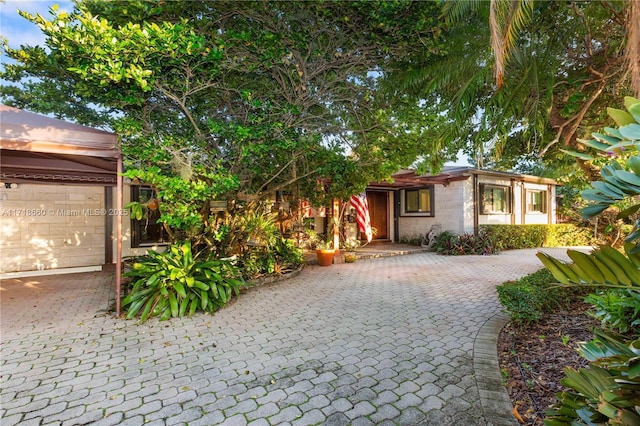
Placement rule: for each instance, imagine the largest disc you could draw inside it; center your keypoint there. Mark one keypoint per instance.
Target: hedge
(511, 237)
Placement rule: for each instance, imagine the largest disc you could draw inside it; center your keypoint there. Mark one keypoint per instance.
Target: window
(536, 201)
(146, 231)
(419, 201)
(495, 199)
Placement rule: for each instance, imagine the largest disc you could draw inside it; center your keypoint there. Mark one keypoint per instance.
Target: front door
(379, 213)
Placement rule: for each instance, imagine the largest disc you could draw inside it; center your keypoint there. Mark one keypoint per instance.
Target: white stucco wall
(449, 205)
(51, 226)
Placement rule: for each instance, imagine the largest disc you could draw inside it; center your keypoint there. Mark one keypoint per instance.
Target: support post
(119, 182)
(335, 217)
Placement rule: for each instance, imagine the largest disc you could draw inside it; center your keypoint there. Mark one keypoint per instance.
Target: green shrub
(254, 238)
(523, 302)
(617, 309)
(511, 237)
(279, 256)
(449, 243)
(445, 242)
(412, 240)
(175, 283)
(527, 299)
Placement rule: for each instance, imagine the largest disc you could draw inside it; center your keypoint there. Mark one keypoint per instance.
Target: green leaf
(614, 132)
(633, 106)
(184, 303)
(173, 302)
(634, 164)
(631, 131)
(628, 212)
(180, 288)
(584, 262)
(606, 139)
(153, 279)
(190, 281)
(204, 298)
(147, 309)
(200, 285)
(620, 116)
(593, 210)
(580, 155)
(629, 178)
(595, 144)
(630, 101)
(596, 196)
(214, 291)
(174, 274)
(134, 308)
(634, 368)
(607, 189)
(166, 314)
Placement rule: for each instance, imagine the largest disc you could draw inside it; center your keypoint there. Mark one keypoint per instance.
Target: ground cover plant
(527, 300)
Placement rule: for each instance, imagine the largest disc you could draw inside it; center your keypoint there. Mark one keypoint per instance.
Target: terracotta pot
(325, 257)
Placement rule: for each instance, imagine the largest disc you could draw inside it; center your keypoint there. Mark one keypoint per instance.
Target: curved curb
(495, 402)
(257, 282)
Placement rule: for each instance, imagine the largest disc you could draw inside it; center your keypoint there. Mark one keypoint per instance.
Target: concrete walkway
(407, 340)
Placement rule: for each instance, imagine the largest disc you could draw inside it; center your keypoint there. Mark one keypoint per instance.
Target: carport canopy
(40, 149)
(44, 149)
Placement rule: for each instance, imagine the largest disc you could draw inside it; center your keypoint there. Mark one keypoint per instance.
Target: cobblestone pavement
(395, 340)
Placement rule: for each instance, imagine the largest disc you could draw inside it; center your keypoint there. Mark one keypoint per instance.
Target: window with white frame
(418, 201)
(495, 199)
(147, 231)
(536, 201)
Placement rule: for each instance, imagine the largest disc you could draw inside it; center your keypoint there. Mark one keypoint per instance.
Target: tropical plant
(177, 282)
(617, 309)
(522, 78)
(619, 185)
(608, 392)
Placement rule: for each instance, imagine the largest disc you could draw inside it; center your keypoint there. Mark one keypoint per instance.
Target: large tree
(524, 79)
(273, 93)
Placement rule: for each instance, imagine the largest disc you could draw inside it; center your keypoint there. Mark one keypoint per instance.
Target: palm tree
(553, 64)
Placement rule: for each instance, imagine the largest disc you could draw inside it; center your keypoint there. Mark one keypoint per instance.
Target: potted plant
(350, 246)
(324, 252)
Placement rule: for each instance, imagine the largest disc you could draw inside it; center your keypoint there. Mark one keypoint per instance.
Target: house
(60, 196)
(459, 199)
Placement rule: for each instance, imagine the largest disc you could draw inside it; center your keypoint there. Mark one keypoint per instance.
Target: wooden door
(379, 213)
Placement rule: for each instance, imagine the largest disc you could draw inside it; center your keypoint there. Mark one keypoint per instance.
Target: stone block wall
(51, 226)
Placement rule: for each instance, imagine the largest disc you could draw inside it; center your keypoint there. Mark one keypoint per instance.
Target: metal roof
(409, 178)
(42, 149)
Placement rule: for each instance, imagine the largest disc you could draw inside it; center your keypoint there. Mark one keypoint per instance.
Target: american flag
(359, 202)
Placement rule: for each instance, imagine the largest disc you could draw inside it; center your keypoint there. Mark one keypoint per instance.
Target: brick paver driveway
(380, 341)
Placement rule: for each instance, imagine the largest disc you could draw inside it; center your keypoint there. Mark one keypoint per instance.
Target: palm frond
(506, 19)
(456, 10)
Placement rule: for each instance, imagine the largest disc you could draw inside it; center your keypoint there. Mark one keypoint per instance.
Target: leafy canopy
(271, 92)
